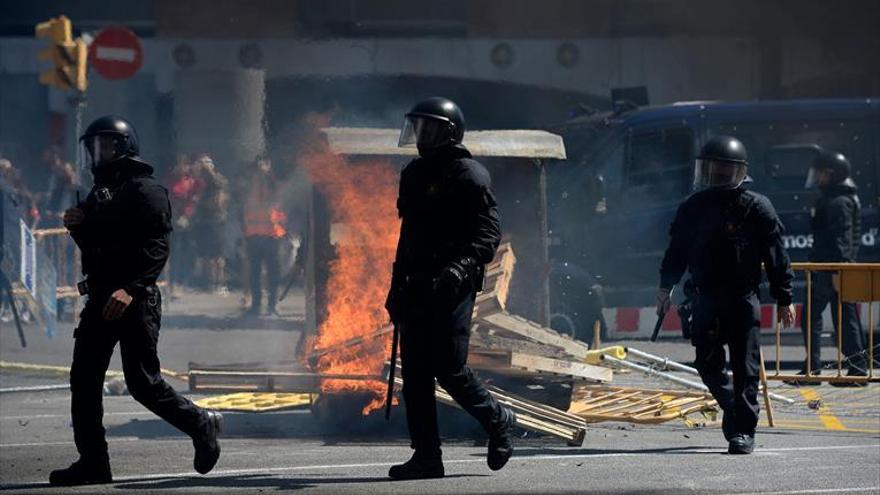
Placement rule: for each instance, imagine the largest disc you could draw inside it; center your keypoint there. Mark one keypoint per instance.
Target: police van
(610, 204)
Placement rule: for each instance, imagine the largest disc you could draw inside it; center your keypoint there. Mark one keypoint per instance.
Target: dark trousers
(434, 344)
(263, 251)
(181, 269)
(137, 333)
(823, 294)
(734, 320)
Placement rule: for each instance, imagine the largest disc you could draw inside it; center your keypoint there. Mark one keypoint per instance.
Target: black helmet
(108, 139)
(831, 162)
(433, 123)
(721, 164)
(724, 149)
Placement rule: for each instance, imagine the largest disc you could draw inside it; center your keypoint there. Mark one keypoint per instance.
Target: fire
(362, 198)
(277, 217)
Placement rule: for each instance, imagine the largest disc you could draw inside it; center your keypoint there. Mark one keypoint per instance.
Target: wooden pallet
(522, 364)
(597, 403)
(281, 376)
(496, 284)
(504, 323)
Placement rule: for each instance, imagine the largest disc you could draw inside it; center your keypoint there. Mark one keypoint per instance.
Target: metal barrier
(854, 283)
(65, 256)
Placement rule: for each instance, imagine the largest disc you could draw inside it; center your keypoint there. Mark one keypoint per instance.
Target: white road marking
(870, 489)
(110, 441)
(134, 413)
(54, 416)
(281, 469)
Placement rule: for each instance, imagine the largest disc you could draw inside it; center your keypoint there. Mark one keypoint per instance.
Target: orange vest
(262, 216)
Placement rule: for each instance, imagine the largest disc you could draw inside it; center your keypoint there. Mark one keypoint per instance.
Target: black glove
(448, 286)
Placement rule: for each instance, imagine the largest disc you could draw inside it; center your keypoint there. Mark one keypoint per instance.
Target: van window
(660, 164)
(780, 153)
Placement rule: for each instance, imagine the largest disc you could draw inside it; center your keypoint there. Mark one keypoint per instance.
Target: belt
(91, 287)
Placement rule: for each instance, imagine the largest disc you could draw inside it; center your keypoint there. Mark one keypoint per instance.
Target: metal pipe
(666, 362)
(676, 366)
(654, 372)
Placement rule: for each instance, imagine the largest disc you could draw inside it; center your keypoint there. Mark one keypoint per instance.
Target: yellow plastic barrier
(854, 282)
(595, 357)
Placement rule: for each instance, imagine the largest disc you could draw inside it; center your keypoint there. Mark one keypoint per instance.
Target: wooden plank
(267, 377)
(507, 323)
(313, 356)
(496, 284)
(569, 368)
(573, 432)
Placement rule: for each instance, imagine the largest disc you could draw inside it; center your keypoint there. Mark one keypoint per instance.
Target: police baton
(395, 336)
(661, 317)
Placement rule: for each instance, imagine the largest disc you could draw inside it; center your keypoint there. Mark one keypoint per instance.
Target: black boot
(852, 372)
(83, 472)
(208, 446)
(420, 466)
(803, 372)
(728, 425)
(501, 442)
(741, 444)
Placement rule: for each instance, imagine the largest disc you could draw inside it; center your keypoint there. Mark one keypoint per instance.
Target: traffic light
(69, 57)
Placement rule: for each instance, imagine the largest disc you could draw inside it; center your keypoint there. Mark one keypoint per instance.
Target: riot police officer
(836, 224)
(123, 229)
(449, 231)
(721, 235)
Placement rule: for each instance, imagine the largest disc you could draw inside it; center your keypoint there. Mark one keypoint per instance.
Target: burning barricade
(351, 240)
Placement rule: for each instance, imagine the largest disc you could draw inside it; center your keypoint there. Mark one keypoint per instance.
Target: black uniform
(124, 240)
(836, 225)
(449, 214)
(722, 237)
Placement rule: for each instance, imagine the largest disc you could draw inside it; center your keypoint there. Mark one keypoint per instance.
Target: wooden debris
(530, 415)
(596, 403)
(506, 323)
(315, 355)
(522, 364)
(282, 376)
(496, 285)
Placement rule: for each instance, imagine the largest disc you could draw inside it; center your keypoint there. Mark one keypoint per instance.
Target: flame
(277, 217)
(362, 198)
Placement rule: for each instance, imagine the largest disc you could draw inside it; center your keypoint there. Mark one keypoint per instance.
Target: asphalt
(833, 449)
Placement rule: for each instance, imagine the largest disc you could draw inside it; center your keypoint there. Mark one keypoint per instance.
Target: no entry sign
(116, 53)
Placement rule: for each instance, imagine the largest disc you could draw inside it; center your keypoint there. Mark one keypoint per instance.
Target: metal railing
(64, 254)
(854, 283)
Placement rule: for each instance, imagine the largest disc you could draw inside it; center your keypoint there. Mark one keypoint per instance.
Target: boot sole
(82, 483)
(217, 419)
(410, 478)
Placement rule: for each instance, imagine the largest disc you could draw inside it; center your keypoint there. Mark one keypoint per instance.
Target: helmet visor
(817, 177)
(715, 174)
(103, 148)
(424, 132)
